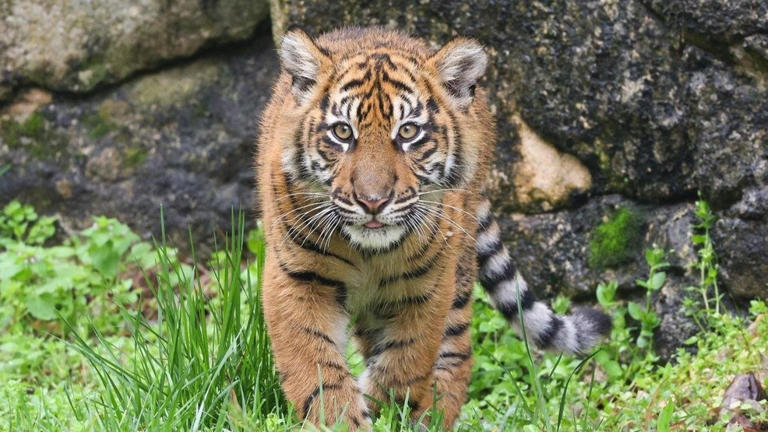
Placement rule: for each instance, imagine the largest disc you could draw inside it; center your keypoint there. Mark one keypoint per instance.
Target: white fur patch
(374, 239)
(497, 264)
(507, 292)
(537, 320)
(297, 57)
(566, 338)
(461, 65)
(487, 238)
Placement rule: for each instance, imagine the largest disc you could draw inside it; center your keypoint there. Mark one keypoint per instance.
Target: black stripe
(432, 105)
(396, 83)
(509, 310)
(341, 296)
(308, 276)
(427, 153)
(318, 334)
(491, 281)
(483, 257)
(484, 222)
(357, 82)
(547, 336)
(412, 274)
(333, 365)
(454, 354)
(314, 394)
(461, 299)
(383, 310)
(381, 348)
(456, 330)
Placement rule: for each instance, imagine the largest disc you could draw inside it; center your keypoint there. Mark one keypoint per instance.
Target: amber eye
(342, 131)
(408, 131)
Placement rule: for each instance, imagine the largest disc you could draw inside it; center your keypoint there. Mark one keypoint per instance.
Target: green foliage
(646, 315)
(707, 267)
(21, 223)
(226, 365)
(614, 241)
(67, 281)
(200, 360)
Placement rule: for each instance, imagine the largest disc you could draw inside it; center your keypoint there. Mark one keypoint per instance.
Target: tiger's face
(381, 132)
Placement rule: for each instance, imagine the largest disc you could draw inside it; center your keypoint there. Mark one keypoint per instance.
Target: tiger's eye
(408, 131)
(342, 131)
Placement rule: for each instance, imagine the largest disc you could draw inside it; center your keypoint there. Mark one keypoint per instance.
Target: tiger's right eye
(342, 131)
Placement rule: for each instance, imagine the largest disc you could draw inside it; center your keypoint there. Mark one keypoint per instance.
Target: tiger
(371, 165)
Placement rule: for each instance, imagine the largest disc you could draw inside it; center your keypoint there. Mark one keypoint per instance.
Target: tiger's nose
(372, 204)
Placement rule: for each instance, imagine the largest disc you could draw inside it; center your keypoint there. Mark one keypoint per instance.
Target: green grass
(194, 354)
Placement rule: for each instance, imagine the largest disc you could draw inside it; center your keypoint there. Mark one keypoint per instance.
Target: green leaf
(105, 259)
(665, 418)
(41, 307)
(691, 340)
(606, 293)
(657, 281)
(635, 311)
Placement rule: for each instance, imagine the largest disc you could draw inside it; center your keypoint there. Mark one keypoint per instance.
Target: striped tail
(575, 333)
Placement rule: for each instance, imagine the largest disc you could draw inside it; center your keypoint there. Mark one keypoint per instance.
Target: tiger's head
(384, 126)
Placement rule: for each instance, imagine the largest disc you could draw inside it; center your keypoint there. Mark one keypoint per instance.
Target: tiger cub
(371, 160)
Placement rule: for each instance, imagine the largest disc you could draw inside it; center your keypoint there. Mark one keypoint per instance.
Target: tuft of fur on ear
(460, 63)
(303, 60)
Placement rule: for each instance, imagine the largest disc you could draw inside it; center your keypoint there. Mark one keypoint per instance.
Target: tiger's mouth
(373, 224)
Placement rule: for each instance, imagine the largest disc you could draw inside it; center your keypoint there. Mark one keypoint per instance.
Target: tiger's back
(371, 160)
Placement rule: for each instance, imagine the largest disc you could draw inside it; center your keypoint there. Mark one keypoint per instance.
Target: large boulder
(181, 138)
(77, 45)
(613, 116)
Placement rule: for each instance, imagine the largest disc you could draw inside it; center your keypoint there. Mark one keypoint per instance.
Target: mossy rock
(616, 240)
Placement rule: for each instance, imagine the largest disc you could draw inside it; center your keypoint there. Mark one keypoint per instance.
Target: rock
(181, 138)
(599, 80)
(742, 247)
(76, 46)
(634, 104)
(544, 178)
(745, 390)
(741, 242)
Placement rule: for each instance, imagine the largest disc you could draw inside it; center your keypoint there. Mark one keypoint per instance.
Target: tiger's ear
(460, 64)
(303, 60)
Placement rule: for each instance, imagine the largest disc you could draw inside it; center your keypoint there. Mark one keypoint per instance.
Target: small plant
(645, 314)
(21, 223)
(707, 262)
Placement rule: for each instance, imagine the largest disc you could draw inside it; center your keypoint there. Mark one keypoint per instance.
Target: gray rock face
(75, 46)
(181, 138)
(657, 99)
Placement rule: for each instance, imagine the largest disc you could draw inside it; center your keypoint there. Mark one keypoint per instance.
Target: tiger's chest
(381, 286)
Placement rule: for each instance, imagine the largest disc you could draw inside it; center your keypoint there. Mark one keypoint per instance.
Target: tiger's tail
(509, 293)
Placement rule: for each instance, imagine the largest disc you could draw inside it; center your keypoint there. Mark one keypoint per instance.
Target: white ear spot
(301, 58)
(460, 64)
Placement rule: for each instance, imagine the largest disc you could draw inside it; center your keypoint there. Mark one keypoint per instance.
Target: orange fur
(409, 306)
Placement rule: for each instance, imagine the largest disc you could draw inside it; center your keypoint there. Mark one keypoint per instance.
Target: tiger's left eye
(342, 131)
(408, 131)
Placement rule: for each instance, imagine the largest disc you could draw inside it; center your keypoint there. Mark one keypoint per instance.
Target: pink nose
(372, 205)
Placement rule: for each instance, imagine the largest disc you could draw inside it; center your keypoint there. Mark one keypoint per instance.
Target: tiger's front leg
(307, 327)
(401, 343)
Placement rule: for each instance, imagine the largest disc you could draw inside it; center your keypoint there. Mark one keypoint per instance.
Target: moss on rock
(614, 241)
